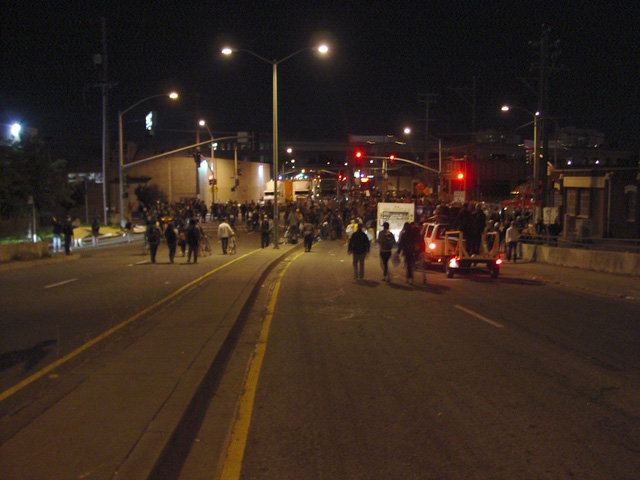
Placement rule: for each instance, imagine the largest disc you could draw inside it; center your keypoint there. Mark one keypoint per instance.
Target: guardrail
(585, 243)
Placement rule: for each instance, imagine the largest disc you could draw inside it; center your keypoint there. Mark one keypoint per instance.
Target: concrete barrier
(622, 263)
(24, 251)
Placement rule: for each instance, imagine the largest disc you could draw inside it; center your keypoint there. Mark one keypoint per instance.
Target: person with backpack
(154, 235)
(386, 240)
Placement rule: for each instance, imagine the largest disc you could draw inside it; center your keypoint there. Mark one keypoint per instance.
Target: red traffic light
(460, 176)
(358, 154)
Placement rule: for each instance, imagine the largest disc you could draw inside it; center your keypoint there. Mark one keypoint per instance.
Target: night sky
(384, 55)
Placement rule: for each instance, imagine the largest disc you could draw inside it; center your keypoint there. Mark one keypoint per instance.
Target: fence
(584, 243)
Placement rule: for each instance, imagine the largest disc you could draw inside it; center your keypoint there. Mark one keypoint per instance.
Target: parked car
(433, 234)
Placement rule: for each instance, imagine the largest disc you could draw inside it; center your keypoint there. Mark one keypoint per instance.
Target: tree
(28, 171)
(149, 195)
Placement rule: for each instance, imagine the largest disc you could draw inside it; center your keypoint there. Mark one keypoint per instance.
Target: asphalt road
(50, 310)
(467, 378)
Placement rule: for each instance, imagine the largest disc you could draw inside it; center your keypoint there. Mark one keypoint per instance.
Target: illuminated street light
(323, 49)
(407, 131)
(171, 95)
(202, 123)
(537, 168)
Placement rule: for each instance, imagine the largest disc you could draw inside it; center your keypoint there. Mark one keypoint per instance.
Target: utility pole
(428, 99)
(544, 65)
(468, 95)
(105, 130)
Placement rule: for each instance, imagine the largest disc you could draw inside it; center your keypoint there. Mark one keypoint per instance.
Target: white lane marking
(60, 283)
(477, 315)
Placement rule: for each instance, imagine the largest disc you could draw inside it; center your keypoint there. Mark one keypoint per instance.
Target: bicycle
(205, 247)
(231, 247)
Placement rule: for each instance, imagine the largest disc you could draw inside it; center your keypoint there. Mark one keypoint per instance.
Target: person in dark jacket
(67, 232)
(464, 223)
(386, 240)
(193, 240)
(409, 247)
(154, 237)
(359, 248)
(308, 233)
(95, 230)
(172, 240)
(265, 232)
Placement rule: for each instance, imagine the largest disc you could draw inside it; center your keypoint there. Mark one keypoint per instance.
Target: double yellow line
(232, 464)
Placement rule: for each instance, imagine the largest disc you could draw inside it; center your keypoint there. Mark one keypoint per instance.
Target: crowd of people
(179, 225)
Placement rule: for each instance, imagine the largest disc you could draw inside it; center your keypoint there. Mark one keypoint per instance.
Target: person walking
(182, 237)
(127, 230)
(172, 240)
(511, 239)
(265, 232)
(95, 231)
(154, 236)
(67, 232)
(308, 232)
(358, 248)
(224, 232)
(408, 247)
(193, 240)
(386, 240)
(57, 234)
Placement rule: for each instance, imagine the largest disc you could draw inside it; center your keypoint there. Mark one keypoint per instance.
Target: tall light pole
(407, 131)
(536, 152)
(171, 95)
(323, 49)
(202, 123)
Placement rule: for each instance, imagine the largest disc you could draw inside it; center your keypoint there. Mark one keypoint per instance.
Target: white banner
(397, 214)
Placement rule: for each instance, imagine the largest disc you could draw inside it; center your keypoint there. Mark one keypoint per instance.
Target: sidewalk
(127, 413)
(619, 286)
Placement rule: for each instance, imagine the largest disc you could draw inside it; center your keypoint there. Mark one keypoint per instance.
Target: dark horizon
(383, 60)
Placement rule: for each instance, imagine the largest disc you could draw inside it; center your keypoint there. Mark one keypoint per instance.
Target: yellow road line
(235, 451)
(19, 386)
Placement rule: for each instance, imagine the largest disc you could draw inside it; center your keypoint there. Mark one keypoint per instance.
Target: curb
(162, 450)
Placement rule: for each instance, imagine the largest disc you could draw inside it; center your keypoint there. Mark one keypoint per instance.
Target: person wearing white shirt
(511, 239)
(224, 232)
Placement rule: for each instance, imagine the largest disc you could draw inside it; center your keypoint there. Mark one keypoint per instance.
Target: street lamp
(323, 49)
(536, 153)
(407, 131)
(172, 95)
(202, 123)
